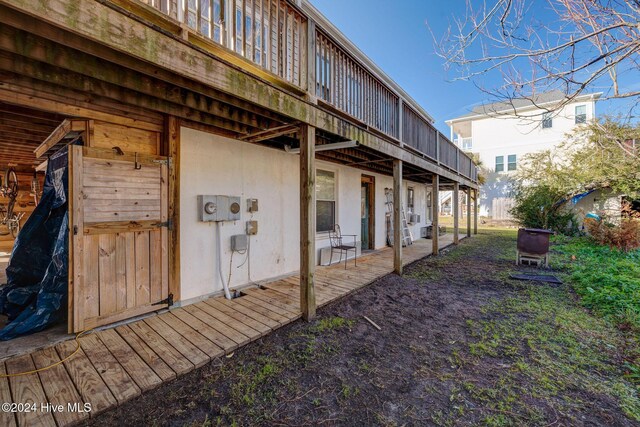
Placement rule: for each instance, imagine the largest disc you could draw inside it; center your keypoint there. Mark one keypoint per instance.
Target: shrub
(542, 207)
(625, 236)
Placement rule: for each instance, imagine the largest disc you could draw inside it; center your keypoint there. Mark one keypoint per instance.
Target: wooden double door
(119, 235)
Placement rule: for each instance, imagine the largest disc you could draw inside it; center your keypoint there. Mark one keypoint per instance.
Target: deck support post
(456, 213)
(398, 233)
(469, 212)
(475, 211)
(307, 221)
(435, 235)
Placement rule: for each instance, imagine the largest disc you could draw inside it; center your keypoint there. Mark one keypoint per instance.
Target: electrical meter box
(218, 208)
(252, 205)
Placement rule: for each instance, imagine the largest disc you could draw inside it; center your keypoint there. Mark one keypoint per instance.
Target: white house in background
(502, 133)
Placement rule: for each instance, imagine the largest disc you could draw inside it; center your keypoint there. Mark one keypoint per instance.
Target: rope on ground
(77, 339)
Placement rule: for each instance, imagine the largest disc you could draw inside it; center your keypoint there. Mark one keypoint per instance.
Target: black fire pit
(533, 246)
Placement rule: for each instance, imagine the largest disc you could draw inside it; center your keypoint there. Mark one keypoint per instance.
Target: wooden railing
(273, 35)
(270, 33)
(344, 83)
(419, 133)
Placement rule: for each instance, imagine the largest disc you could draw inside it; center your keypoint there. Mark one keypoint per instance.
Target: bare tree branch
(587, 46)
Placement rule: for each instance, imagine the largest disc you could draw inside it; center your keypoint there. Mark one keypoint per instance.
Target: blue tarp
(577, 198)
(35, 295)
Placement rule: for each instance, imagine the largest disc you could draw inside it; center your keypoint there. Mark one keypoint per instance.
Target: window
(410, 199)
(581, 114)
(499, 163)
(547, 121)
(467, 144)
(511, 165)
(325, 200)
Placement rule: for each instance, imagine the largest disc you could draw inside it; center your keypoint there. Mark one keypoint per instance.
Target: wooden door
(367, 208)
(119, 253)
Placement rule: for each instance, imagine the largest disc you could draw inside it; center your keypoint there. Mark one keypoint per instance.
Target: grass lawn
(461, 344)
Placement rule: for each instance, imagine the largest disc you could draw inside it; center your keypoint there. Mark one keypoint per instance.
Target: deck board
(115, 365)
(196, 356)
(28, 390)
(231, 333)
(138, 370)
(58, 387)
(6, 418)
(146, 353)
(215, 336)
(239, 317)
(172, 357)
(111, 371)
(87, 380)
(208, 347)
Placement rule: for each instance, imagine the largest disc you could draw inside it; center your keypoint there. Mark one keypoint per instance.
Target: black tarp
(35, 295)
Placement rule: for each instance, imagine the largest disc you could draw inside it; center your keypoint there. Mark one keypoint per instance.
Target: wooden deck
(117, 364)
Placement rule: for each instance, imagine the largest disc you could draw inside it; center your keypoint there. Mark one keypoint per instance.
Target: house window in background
(581, 114)
(499, 164)
(325, 200)
(467, 144)
(547, 121)
(410, 199)
(511, 165)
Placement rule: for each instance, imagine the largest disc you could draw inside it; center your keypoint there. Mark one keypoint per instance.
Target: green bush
(607, 279)
(542, 207)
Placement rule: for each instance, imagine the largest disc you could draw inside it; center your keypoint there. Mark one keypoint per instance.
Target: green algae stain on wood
(72, 13)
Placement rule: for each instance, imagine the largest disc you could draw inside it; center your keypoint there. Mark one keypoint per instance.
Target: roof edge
(590, 96)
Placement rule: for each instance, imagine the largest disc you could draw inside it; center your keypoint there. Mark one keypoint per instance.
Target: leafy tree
(540, 206)
(600, 154)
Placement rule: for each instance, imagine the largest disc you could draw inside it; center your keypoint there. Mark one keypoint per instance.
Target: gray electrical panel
(218, 208)
(239, 243)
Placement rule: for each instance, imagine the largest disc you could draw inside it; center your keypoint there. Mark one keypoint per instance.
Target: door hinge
(168, 161)
(168, 301)
(166, 224)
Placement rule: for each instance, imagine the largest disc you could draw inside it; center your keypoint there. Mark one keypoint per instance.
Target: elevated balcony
(274, 38)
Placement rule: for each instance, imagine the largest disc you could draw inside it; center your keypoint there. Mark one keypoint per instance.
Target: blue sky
(396, 36)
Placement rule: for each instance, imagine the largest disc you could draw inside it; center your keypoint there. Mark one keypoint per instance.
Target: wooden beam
(397, 216)
(49, 79)
(264, 135)
(435, 206)
(30, 114)
(49, 44)
(70, 106)
(102, 23)
(468, 212)
(456, 213)
(172, 136)
(22, 132)
(56, 136)
(475, 211)
(307, 221)
(33, 48)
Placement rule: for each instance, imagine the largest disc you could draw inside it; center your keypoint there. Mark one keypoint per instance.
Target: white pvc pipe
(225, 285)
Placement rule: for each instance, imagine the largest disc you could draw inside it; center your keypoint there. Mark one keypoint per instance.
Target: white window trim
(323, 235)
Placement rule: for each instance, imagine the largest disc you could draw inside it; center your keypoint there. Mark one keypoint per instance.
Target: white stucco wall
(504, 136)
(211, 164)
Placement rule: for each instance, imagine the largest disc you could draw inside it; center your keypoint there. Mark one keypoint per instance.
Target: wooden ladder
(407, 237)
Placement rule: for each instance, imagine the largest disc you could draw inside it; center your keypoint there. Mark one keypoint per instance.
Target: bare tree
(587, 45)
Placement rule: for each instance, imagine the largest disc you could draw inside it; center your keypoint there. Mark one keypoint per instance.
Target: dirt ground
(461, 344)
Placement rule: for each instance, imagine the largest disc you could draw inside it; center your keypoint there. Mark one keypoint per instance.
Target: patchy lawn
(461, 344)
